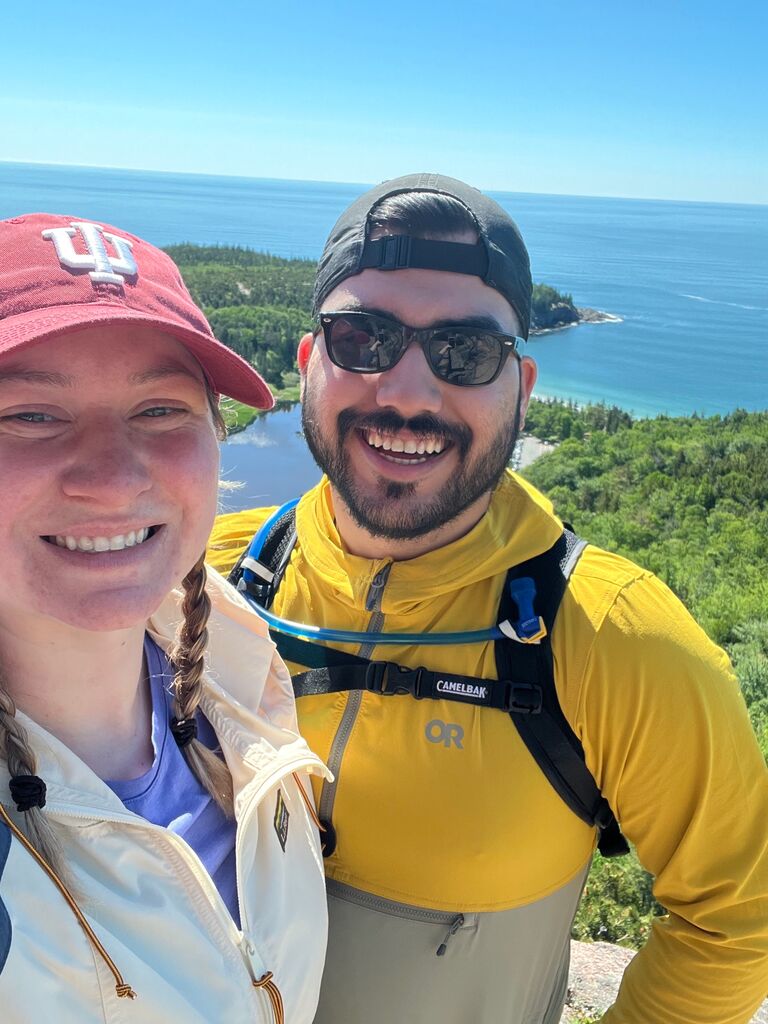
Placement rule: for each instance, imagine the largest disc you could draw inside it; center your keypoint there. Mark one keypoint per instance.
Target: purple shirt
(170, 795)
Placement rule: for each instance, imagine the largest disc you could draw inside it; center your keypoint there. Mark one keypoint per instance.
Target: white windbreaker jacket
(145, 894)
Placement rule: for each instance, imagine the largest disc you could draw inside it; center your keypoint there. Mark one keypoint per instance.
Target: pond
(269, 460)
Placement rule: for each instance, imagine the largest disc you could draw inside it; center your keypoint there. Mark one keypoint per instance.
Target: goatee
(393, 513)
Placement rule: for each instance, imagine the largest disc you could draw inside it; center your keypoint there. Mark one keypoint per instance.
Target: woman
(159, 858)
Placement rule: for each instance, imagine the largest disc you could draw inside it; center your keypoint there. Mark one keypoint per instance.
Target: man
(454, 863)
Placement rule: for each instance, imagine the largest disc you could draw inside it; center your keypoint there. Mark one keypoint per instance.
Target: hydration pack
(525, 688)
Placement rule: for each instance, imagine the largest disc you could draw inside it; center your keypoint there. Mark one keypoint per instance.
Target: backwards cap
(499, 257)
(59, 275)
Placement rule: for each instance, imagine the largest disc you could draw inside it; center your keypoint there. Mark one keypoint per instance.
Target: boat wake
(722, 302)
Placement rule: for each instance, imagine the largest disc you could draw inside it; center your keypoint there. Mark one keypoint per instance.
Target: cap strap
(396, 252)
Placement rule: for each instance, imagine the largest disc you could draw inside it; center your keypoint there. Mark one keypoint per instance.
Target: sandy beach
(528, 449)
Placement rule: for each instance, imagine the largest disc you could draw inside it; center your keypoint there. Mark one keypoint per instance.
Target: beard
(394, 512)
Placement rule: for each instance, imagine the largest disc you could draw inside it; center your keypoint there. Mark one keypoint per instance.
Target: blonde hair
(188, 657)
(20, 759)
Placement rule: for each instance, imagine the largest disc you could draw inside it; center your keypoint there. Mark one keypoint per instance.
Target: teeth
(96, 544)
(394, 444)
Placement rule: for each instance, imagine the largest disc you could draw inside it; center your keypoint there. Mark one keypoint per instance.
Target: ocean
(688, 280)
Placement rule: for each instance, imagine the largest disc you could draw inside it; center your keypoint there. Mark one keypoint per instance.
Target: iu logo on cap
(104, 269)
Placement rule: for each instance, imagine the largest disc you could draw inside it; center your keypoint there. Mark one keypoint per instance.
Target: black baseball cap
(499, 257)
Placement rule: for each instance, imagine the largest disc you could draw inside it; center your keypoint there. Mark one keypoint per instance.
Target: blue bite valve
(528, 625)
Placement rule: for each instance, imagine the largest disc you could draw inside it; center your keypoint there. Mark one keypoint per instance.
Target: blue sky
(653, 99)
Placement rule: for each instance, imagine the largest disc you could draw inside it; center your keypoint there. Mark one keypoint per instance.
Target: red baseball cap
(60, 274)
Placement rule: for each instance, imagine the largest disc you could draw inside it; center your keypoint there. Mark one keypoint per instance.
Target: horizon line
(366, 185)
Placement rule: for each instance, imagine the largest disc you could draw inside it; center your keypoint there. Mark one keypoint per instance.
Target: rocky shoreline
(572, 316)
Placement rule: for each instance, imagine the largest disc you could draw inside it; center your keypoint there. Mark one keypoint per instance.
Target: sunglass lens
(465, 357)
(363, 344)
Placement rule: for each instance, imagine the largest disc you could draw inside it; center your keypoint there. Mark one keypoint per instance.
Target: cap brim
(227, 372)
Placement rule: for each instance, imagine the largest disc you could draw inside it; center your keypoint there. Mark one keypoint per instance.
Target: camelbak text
(462, 689)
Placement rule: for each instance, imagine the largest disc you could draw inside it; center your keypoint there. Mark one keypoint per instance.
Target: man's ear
(304, 351)
(528, 374)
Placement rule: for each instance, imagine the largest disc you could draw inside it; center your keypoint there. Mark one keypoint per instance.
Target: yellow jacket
(474, 827)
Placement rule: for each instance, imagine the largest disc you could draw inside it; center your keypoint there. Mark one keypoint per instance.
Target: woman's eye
(158, 411)
(31, 417)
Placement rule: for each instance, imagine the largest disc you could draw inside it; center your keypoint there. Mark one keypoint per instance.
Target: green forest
(686, 497)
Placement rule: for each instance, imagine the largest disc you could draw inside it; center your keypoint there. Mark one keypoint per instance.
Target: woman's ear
(304, 351)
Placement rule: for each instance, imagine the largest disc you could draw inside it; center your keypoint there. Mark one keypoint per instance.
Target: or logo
(454, 687)
(445, 733)
(103, 268)
(281, 819)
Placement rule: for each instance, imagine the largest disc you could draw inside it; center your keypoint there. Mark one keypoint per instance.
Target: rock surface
(594, 978)
(561, 315)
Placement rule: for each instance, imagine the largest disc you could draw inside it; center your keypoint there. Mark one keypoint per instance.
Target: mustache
(387, 421)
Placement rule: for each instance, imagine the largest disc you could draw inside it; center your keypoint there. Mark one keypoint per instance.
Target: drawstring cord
(123, 990)
(309, 803)
(275, 998)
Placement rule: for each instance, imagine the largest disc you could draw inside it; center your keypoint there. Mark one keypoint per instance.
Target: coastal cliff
(552, 310)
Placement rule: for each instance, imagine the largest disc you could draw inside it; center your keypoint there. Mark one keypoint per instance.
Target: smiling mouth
(97, 545)
(405, 450)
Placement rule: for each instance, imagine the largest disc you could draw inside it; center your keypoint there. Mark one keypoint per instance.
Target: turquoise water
(689, 280)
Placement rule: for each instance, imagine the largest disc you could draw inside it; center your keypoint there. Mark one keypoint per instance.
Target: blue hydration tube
(348, 636)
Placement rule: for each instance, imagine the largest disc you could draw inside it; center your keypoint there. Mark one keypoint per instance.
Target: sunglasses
(368, 343)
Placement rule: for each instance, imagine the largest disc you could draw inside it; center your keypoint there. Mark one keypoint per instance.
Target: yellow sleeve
(231, 534)
(667, 736)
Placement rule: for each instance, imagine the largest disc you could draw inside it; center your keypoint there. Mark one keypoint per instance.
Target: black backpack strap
(548, 734)
(334, 671)
(261, 567)
(525, 687)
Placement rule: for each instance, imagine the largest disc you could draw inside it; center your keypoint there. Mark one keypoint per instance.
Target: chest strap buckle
(388, 679)
(523, 699)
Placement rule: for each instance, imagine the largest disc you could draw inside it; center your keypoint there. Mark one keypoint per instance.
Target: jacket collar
(519, 524)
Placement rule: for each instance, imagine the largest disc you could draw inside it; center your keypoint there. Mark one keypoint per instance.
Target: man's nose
(107, 467)
(410, 386)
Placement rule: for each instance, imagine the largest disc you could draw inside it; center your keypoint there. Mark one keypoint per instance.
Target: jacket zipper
(355, 697)
(191, 861)
(453, 921)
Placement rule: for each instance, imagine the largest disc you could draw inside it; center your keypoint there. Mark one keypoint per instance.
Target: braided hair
(188, 656)
(22, 765)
